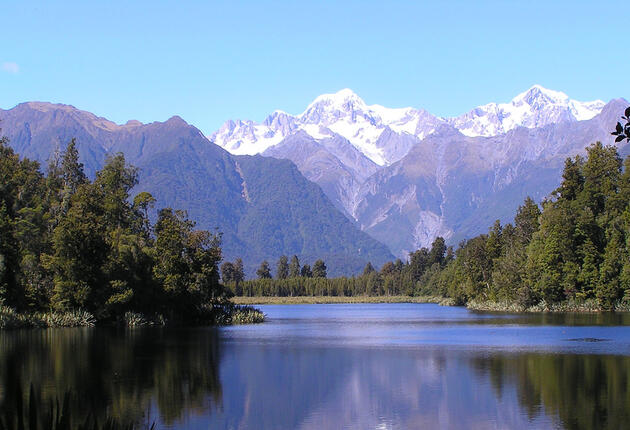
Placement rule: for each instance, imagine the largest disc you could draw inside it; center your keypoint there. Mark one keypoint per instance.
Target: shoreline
(571, 306)
(229, 314)
(305, 300)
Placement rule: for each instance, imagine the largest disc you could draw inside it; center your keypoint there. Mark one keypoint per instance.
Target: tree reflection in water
(584, 391)
(125, 374)
(201, 378)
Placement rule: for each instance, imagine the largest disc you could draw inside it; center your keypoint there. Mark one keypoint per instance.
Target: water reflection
(321, 368)
(121, 373)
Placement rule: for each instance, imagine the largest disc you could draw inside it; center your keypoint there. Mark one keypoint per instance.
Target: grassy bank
(295, 300)
(228, 314)
(583, 306)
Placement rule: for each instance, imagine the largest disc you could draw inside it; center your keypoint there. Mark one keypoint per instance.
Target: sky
(213, 61)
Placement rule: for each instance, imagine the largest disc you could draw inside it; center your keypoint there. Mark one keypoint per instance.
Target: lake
(355, 366)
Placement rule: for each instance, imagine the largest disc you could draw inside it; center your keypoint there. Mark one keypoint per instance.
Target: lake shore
(585, 306)
(573, 306)
(300, 300)
(230, 314)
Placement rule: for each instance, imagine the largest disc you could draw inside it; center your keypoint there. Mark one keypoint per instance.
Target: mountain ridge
(182, 169)
(346, 114)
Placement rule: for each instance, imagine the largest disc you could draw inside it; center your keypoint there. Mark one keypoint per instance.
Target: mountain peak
(539, 94)
(342, 97)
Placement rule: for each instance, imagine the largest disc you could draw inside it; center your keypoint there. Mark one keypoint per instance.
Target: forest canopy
(68, 243)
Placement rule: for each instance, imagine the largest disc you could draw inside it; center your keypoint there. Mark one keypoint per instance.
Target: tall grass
(9, 318)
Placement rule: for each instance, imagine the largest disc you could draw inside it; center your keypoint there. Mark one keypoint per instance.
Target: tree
(9, 288)
(186, 261)
(142, 202)
(319, 269)
(418, 263)
(602, 171)
(306, 271)
(71, 169)
(436, 255)
(526, 220)
(294, 267)
(239, 271)
(227, 272)
(264, 271)
(572, 179)
(368, 269)
(494, 241)
(388, 269)
(282, 268)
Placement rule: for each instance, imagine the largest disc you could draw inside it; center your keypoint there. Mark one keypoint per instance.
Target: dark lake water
(372, 366)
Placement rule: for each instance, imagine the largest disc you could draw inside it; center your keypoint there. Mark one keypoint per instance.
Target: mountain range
(264, 207)
(406, 176)
(344, 181)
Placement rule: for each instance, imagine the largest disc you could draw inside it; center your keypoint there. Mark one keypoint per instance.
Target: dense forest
(69, 244)
(574, 247)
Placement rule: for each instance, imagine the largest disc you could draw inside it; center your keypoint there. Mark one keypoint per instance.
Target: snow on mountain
(343, 113)
(385, 135)
(534, 108)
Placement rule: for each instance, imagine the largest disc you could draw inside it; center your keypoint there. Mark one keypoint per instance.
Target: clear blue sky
(212, 61)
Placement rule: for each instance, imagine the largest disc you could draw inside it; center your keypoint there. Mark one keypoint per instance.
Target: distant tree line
(575, 246)
(291, 279)
(68, 243)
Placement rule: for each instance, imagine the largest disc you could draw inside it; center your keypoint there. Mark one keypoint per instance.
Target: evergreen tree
(306, 271)
(239, 271)
(526, 221)
(319, 269)
(282, 268)
(436, 255)
(264, 271)
(388, 269)
(368, 269)
(71, 169)
(418, 263)
(294, 267)
(227, 272)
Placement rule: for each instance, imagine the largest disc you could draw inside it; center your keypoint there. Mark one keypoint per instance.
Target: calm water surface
(373, 366)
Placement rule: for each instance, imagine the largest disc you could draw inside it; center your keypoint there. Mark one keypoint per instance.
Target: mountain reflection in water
(338, 366)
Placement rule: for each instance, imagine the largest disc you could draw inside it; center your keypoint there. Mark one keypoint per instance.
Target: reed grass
(10, 319)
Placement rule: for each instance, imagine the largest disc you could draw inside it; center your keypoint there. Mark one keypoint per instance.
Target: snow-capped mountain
(343, 113)
(385, 135)
(534, 108)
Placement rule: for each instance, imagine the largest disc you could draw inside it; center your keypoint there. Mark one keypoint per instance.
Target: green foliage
(68, 244)
(264, 271)
(306, 272)
(319, 269)
(282, 268)
(294, 267)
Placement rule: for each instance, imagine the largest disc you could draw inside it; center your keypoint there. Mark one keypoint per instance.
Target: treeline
(393, 279)
(69, 243)
(574, 247)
